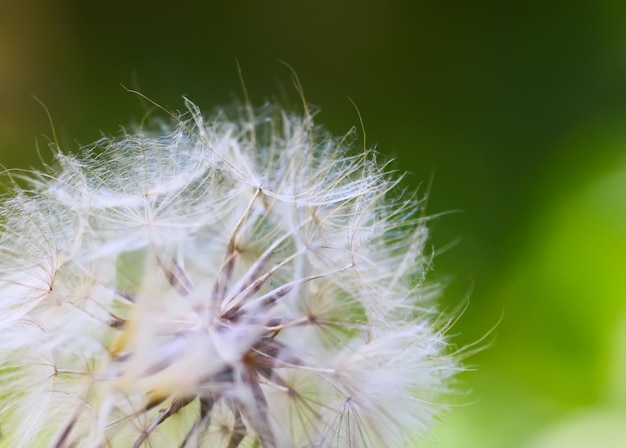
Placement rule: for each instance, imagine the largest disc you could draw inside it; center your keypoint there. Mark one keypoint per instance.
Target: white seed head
(221, 282)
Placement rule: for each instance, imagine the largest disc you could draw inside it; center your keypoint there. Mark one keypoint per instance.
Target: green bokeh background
(516, 110)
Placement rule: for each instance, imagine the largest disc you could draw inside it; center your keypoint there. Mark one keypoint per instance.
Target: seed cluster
(239, 281)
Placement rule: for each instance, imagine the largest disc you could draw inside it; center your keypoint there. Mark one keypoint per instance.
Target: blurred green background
(516, 109)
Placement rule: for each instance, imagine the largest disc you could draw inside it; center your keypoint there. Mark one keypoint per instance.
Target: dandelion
(243, 280)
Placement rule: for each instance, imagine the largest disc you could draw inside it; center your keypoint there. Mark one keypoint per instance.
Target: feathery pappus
(238, 280)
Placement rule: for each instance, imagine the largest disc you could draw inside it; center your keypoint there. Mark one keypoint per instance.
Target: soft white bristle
(220, 282)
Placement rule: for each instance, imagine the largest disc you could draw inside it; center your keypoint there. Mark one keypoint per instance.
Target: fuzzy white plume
(220, 282)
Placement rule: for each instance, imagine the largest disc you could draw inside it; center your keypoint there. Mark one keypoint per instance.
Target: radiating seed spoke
(176, 405)
(226, 270)
(176, 276)
(239, 430)
(202, 422)
(65, 433)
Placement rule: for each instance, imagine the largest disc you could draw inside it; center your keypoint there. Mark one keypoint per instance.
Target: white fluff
(218, 282)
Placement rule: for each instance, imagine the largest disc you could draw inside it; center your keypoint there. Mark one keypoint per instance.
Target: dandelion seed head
(217, 281)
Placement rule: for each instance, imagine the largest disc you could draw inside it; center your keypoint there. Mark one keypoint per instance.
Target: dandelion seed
(225, 282)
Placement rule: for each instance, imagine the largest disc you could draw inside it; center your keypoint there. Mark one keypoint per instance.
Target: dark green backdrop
(517, 110)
